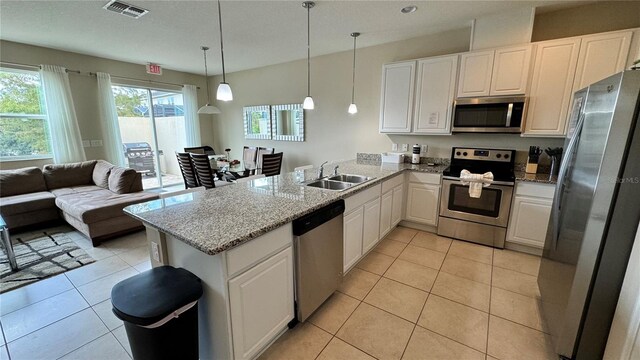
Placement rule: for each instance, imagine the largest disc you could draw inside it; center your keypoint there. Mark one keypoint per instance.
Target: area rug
(39, 256)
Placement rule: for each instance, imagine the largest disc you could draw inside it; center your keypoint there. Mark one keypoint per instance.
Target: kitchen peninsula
(238, 239)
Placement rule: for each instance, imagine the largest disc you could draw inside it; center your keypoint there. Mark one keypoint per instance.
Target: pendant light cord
(308, 51)
(353, 79)
(206, 73)
(224, 77)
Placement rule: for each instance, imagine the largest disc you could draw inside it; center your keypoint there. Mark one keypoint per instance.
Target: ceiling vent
(125, 9)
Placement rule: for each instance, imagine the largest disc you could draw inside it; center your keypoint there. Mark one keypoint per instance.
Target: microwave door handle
(509, 113)
(557, 199)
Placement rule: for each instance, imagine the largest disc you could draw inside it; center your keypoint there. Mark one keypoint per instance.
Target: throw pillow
(68, 175)
(101, 173)
(122, 180)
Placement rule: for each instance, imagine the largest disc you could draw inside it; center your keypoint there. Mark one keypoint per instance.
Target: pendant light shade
(224, 90)
(353, 109)
(207, 109)
(308, 101)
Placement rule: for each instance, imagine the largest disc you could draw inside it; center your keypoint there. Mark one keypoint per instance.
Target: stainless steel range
(484, 219)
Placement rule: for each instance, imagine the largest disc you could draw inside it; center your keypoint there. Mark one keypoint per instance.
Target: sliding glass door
(152, 128)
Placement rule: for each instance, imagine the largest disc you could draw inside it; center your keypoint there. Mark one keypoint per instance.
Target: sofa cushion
(123, 180)
(67, 175)
(24, 203)
(94, 206)
(101, 173)
(21, 181)
(75, 190)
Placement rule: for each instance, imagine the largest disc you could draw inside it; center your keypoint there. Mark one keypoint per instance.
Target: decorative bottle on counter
(415, 159)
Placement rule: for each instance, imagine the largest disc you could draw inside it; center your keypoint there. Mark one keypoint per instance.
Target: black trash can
(159, 308)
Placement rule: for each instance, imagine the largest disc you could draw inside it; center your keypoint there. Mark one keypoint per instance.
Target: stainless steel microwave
(489, 115)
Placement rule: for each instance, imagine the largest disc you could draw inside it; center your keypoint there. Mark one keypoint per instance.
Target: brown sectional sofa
(89, 196)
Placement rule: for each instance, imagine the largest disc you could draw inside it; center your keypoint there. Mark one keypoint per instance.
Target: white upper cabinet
(601, 55)
(497, 72)
(551, 87)
(475, 74)
(510, 70)
(435, 92)
(396, 103)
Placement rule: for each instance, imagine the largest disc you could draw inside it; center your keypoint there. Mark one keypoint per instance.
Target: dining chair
(271, 164)
(187, 170)
(206, 149)
(263, 151)
(203, 170)
(249, 154)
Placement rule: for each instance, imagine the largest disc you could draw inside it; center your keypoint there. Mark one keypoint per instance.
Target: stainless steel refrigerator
(594, 217)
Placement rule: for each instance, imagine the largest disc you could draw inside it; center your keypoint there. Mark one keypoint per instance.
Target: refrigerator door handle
(557, 199)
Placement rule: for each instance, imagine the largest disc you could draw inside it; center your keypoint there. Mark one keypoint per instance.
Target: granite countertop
(216, 220)
(538, 178)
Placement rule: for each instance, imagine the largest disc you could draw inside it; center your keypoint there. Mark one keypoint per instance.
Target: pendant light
(308, 101)
(353, 109)
(207, 109)
(224, 90)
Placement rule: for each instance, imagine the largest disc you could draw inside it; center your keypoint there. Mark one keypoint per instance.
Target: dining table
(226, 171)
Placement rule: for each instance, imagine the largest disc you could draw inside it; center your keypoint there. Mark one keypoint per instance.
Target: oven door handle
(505, 183)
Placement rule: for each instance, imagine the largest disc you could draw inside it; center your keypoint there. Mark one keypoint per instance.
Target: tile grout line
(5, 344)
(493, 255)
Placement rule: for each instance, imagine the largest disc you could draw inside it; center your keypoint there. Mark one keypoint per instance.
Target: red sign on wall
(154, 69)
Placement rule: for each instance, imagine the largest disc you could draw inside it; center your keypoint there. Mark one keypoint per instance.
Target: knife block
(532, 167)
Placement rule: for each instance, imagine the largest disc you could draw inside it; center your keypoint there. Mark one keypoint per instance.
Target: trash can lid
(147, 298)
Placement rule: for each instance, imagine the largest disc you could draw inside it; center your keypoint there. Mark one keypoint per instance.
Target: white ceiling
(256, 33)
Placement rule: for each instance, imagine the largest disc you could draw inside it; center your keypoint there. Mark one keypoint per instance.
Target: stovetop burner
(478, 161)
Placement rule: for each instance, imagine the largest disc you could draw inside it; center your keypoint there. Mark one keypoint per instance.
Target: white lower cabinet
(361, 225)
(352, 237)
(261, 302)
(530, 212)
(423, 203)
(386, 208)
(396, 207)
(370, 233)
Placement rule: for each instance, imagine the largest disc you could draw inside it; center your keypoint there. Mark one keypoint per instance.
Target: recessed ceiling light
(409, 9)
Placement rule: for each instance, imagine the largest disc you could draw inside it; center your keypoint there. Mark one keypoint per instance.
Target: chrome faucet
(321, 170)
(335, 170)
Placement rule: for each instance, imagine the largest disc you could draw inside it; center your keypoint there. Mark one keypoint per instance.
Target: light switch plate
(155, 251)
(96, 143)
(405, 147)
(86, 143)
(394, 147)
(424, 149)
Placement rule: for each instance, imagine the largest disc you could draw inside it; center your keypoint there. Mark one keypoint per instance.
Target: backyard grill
(140, 157)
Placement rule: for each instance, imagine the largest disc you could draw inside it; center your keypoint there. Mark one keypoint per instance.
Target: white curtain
(63, 124)
(191, 120)
(109, 121)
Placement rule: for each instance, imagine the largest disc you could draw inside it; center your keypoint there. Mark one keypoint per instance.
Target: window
(24, 130)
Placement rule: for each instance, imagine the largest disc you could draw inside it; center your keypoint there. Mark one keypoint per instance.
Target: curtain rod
(94, 74)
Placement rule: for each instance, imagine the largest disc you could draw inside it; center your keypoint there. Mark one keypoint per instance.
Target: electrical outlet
(96, 143)
(155, 251)
(424, 149)
(394, 147)
(86, 143)
(405, 147)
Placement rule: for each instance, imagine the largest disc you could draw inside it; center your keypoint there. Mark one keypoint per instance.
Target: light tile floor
(69, 316)
(416, 296)
(421, 296)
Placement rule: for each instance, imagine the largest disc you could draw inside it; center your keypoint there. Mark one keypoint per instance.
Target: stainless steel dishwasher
(318, 250)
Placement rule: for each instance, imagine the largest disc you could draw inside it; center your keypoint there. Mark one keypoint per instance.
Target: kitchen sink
(330, 185)
(354, 179)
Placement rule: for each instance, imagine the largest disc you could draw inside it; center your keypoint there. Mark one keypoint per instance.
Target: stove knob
(506, 156)
(498, 156)
(464, 153)
(458, 153)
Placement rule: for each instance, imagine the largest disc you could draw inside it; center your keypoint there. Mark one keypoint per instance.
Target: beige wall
(587, 19)
(84, 89)
(331, 133)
